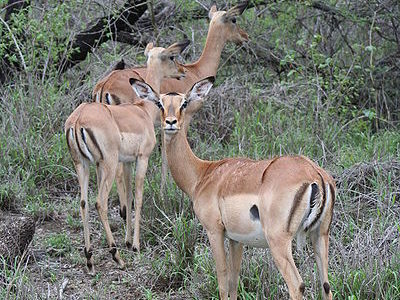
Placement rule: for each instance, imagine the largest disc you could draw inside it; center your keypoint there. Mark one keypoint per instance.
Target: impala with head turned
(255, 203)
(223, 28)
(110, 134)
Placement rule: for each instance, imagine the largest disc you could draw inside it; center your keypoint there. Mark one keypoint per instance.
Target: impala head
(176, 109)
(164, 59)
(224, 22)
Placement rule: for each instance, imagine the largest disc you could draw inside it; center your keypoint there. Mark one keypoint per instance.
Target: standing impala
(257, 203)
(115, 88)
(223, 28)
(106, 135)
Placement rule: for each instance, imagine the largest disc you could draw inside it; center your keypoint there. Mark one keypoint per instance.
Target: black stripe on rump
(77, 143)
(322, 206)
(66, 136)
(297, 198)
(91, 135)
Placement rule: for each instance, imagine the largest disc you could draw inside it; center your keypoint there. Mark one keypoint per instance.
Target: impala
(256, 203)
(115, 88)
(106, 135)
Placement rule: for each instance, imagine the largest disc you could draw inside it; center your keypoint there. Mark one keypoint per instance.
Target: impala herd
(257, 203)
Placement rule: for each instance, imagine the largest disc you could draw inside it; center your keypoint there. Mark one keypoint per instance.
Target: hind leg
(235, 259)
(106, 174)
(122, 190)
(320, 244)
(82, 170)
(281, 250)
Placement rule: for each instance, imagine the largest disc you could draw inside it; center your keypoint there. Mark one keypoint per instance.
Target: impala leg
(122, 190)
(141, 168)
(320, 244)
(127, 170)
(106, 174)
(235, 259)
(82, 169)
(218, 251)
(281, 250)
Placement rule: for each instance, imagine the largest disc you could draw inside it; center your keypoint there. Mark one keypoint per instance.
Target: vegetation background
(319, 78)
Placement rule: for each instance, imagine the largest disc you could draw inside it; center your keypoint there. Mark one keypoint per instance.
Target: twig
(15, 42)
(62, 288)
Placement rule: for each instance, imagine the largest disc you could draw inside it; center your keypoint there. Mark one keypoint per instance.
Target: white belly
(240, 224)
(254, 238)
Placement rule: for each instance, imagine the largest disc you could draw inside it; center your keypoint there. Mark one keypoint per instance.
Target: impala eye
(233, 20)
(171, 58)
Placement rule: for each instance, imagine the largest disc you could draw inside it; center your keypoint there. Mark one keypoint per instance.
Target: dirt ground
(58, 275)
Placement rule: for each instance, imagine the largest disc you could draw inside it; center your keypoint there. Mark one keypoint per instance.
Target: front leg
(217, 247)
(127, 176)
(141, 168)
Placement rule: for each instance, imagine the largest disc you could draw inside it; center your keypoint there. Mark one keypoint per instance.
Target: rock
(16, 233)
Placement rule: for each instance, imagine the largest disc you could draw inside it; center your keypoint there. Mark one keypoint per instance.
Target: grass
(176, 258)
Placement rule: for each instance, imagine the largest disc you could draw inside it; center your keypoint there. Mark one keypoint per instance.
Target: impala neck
(186, 168)
(154, 80)
(209, 60)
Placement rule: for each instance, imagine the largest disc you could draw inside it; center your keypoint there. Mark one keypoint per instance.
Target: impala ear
(213, 9)
(143, 90)
(200, 89)
(175, 49)
(148, 48)
(237, 10)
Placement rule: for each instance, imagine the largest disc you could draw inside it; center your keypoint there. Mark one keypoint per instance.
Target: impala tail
(81, 141)
(318, 197)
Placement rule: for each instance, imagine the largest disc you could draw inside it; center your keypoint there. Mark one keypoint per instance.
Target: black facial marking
(302, 288)
(254, 214)
(327, 287)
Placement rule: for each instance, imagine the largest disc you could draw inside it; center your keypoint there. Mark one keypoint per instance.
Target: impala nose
(171, 122)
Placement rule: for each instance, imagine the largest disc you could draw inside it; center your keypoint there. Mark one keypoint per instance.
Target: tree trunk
(86, 41)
